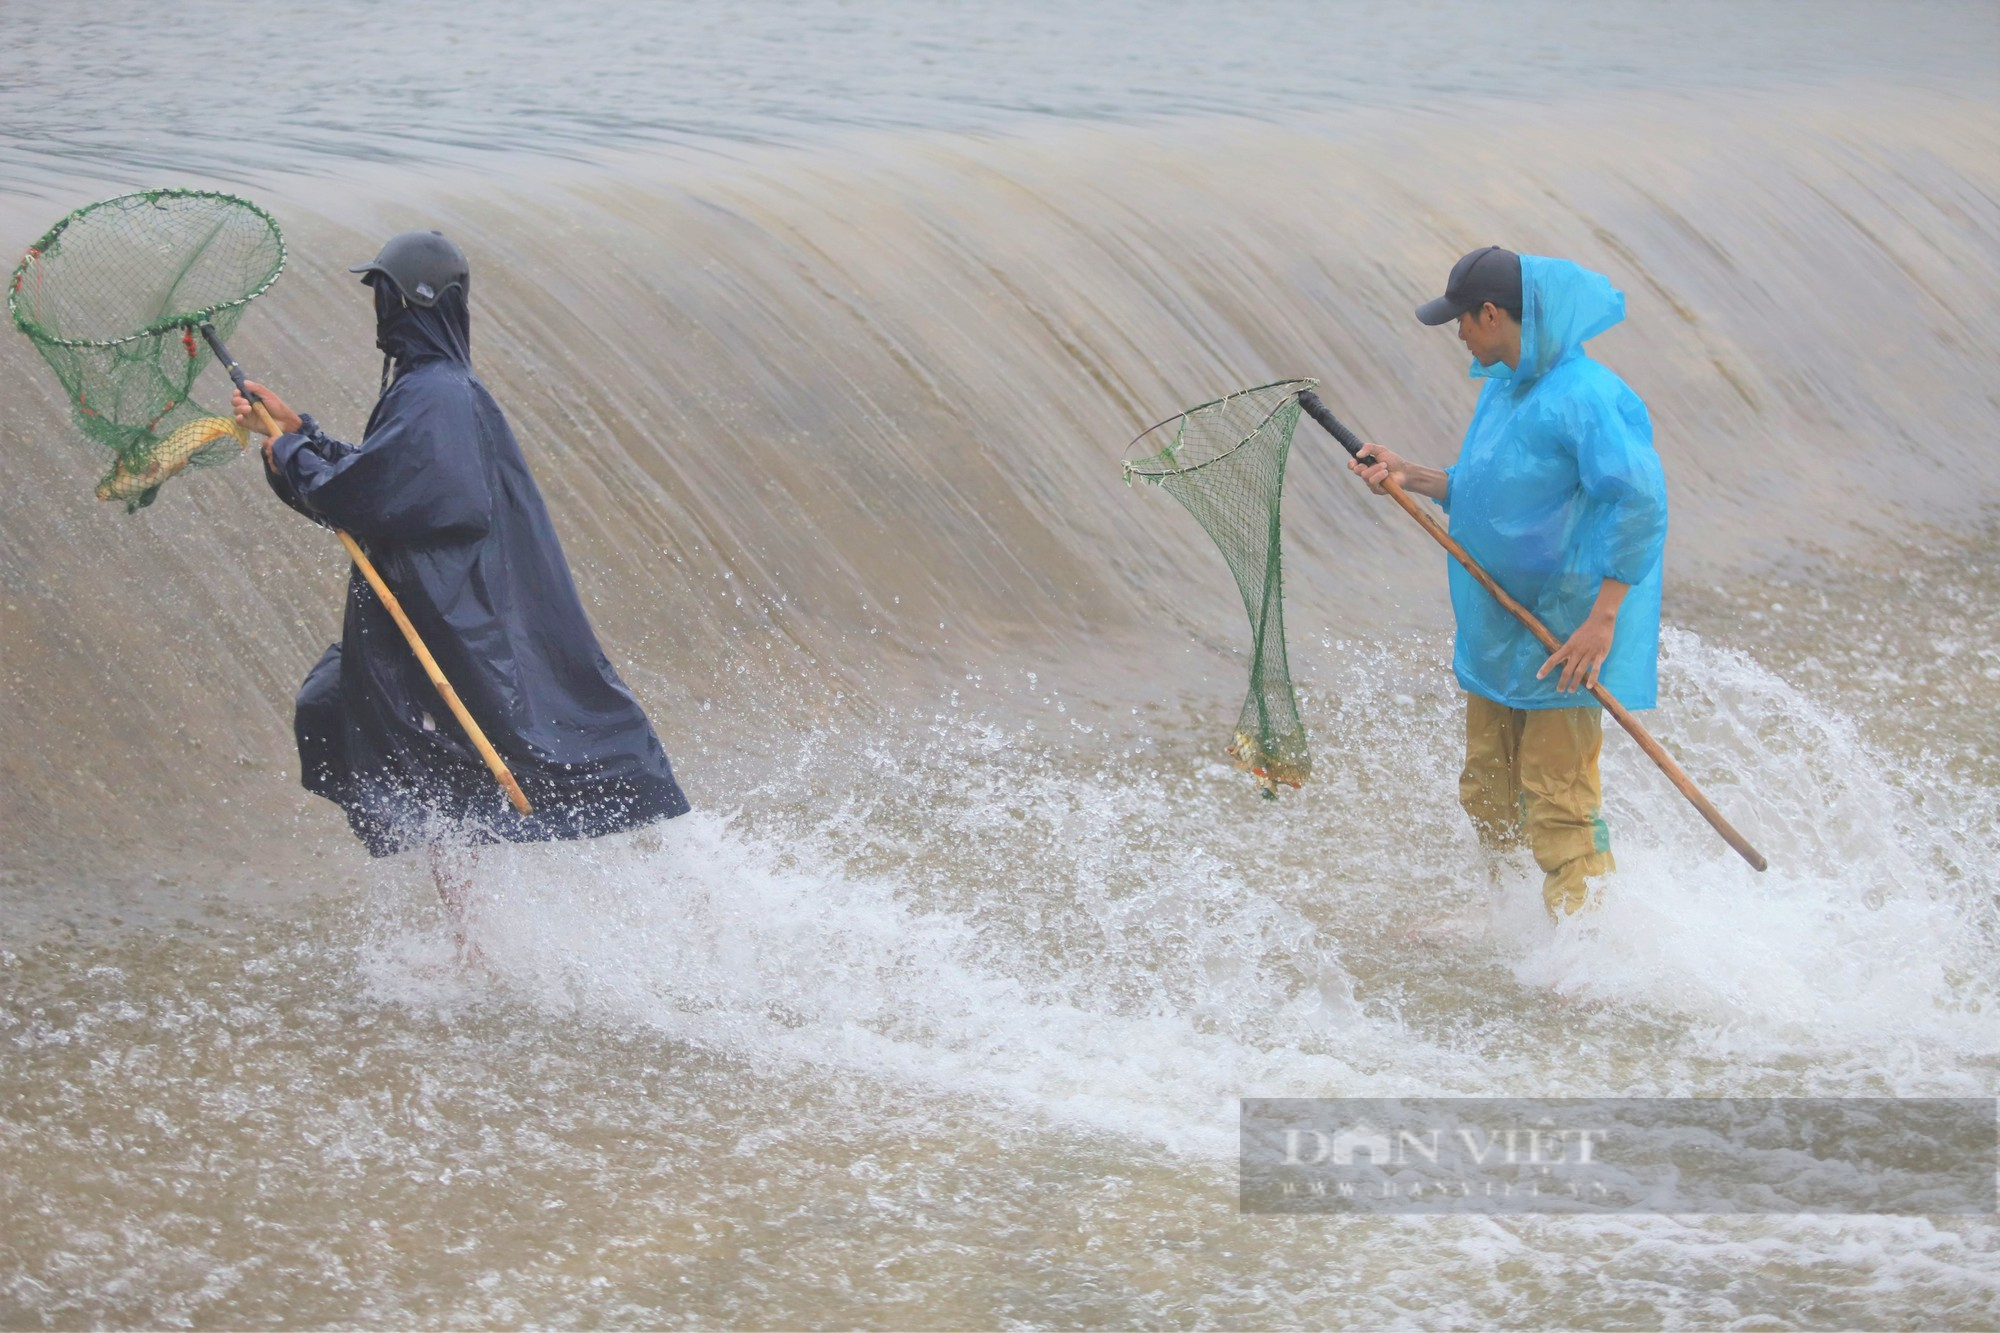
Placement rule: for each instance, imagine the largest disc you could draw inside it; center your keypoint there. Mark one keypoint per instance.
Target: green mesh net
(112, 297)
(1225, 462)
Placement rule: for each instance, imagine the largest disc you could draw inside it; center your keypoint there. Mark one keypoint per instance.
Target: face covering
(411, 334)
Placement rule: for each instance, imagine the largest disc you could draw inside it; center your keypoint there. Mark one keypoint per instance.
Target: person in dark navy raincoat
(440, 497)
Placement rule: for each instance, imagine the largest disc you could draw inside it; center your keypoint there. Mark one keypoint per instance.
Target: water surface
(825, 328)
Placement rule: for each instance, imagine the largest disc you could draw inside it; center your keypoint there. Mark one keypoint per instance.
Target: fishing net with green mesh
(112, 297)
(1225, 462)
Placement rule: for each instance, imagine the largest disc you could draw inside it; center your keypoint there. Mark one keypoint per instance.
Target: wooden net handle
(494, 763)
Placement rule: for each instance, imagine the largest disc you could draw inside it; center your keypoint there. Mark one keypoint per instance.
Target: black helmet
(421, 265)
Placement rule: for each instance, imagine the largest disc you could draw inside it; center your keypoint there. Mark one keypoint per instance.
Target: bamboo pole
(1654, 750)
(494, 763)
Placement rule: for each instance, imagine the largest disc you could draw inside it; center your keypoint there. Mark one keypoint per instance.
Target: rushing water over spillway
(936, 1010)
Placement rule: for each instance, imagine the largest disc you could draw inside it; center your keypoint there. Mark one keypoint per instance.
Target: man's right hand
(1375, 465)
(281, 416)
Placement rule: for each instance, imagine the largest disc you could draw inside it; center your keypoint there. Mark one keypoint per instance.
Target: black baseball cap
(1491, 274)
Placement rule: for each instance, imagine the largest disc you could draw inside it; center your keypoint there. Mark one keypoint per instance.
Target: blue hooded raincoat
(441, 498)
(1557, 488)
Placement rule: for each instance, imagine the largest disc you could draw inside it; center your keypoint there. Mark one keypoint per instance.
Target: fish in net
(112, 296)
(1225, 463)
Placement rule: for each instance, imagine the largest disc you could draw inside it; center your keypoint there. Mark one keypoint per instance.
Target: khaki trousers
(1531, 774)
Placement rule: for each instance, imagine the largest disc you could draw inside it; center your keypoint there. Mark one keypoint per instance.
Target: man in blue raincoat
(1559, 494)
(440, 497)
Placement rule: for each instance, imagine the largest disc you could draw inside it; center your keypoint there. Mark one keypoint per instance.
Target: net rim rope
(1137, 467)
(179, 320)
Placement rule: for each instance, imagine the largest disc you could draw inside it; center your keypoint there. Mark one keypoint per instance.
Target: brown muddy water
(936, 1011)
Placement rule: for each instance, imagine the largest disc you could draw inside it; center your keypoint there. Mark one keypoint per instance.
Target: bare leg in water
(451, 871)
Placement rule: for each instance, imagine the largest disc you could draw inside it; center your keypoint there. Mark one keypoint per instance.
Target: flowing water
(825, 327)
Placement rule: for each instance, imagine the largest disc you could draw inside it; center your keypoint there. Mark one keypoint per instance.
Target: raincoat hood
(1563, 306)
(410, 335)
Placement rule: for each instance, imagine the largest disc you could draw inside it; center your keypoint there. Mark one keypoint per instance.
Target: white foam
(1120, 946)
(1865, 932)
(711, 937)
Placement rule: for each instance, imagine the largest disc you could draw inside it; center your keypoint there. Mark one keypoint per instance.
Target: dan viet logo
(1363, 1144)
(1746, 1155)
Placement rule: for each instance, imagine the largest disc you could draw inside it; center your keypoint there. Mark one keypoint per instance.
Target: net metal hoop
(1131, 466)
(178, 321)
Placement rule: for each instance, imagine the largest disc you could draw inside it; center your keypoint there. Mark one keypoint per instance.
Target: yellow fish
(137, 487)
(1269, 772)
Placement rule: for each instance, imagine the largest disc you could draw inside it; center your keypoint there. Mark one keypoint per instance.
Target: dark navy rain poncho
(442, 500)
(1557, 488)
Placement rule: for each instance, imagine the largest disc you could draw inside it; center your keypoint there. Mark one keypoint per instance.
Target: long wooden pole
(494, 763)
(1654, 750)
